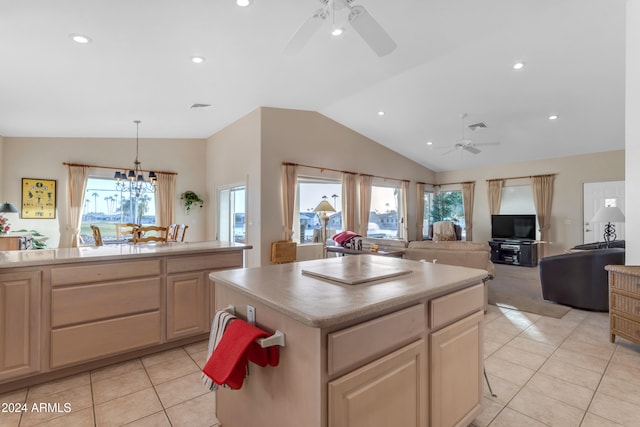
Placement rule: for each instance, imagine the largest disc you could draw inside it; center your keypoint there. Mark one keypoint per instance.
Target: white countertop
(322, 303)
(12, 259)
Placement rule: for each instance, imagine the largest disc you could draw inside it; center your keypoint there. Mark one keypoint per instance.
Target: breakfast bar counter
(72, 309)
(369, 341)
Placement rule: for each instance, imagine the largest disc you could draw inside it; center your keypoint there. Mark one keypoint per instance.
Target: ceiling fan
(466, 144)
(359, 18)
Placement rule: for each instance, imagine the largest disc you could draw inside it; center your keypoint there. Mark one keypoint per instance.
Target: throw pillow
(438, 237)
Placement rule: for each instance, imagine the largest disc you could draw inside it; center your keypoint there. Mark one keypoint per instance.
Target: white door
(595, 196)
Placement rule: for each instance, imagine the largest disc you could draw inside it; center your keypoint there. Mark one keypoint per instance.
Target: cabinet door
(390, 391)
(19, 323)
(456, 372)
(187, 305)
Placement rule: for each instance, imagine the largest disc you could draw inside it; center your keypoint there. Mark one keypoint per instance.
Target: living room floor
(558, 372)
(544, 372)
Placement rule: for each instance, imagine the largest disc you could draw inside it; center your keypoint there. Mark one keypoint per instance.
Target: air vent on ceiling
(201, 106)
(475, 126)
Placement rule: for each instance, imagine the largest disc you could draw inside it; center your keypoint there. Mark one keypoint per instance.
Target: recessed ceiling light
(381, 113)
(80, 38)
(197, 59)
(518, 66)
(429, 143)
(336, 31)
(553, 117)
(244, 3)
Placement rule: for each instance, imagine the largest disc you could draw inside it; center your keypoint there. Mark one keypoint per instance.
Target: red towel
(229, 359)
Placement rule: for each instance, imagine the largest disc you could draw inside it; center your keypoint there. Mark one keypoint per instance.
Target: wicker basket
(283, 251)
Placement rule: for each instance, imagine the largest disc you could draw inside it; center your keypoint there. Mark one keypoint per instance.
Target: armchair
(578, 279)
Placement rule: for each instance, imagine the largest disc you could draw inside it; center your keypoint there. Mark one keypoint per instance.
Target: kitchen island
(68, 310)
(369, 341)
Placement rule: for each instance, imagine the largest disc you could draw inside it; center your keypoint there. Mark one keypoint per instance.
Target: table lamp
(322, 208)
(609, 214)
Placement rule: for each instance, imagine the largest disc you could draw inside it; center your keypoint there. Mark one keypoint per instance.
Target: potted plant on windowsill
(190, 199)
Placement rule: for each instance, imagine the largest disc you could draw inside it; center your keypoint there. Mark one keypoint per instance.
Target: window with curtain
(105, 206)
(427, 201)
(386, 216)
(232, 221)
(310, 192)
(448, 206)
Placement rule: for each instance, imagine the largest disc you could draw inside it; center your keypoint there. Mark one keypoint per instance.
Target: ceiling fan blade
(305, 32)
(471, 149)
(370, 31)
(450, 151)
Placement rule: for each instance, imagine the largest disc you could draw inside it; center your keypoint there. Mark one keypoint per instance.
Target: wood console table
(346, 251)
(624, 302)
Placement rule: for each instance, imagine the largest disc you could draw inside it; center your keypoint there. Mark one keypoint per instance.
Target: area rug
(519, 288)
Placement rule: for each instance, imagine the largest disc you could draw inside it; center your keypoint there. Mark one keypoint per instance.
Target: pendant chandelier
(134, 180)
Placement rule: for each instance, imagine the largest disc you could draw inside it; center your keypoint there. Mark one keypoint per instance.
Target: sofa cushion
(463, 254)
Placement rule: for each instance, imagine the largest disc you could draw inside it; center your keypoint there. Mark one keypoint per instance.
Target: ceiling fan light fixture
(244, 3)
(337, 31)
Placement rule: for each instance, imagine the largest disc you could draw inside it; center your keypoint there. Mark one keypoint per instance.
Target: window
(386, 216)
(426, 220)
(448, 206)
(311, 191)
(232, 219)
(106, 205)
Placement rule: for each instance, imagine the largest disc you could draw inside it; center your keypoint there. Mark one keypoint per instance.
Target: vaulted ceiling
(452, 57)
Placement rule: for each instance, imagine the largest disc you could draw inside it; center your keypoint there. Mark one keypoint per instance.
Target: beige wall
(307, 137)
(632, 138)
(233, 158)
(43, 158)
(567, 210)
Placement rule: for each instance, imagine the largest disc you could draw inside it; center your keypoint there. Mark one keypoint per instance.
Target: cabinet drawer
(454, 306)
(625, 282)
(625, 327)
(351, 347)
(205, 262)
(75, 275)
(81, 304)
(99, 339)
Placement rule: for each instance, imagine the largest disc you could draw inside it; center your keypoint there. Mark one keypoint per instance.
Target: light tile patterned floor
(544, 372)
(162, 389)
(558, 372)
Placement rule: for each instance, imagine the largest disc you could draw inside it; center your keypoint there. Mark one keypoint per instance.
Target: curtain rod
(343, 171)
(454, 183)
(521, 177)
(115, 169)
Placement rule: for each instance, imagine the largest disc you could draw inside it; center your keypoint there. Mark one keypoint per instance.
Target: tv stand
(514, 252)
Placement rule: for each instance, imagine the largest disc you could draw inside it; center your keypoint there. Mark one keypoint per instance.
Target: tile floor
(544, 372)
(558, 372)
(163, 389)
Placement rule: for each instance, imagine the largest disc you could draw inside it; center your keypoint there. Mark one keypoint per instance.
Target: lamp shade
(7, 207)
(608, 214)
(324, 206)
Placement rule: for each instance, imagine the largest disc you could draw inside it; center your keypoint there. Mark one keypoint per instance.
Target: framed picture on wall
(38, 198)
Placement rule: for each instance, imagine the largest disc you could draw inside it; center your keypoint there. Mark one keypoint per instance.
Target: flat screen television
(513, 227)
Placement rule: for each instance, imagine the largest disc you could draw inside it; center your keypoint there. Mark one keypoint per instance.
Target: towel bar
(276, 339)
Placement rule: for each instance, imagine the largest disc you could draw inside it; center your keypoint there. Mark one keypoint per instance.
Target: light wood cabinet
(456, 370)
(187, 304)
(390, 391)
(624, 302)
(20, 298)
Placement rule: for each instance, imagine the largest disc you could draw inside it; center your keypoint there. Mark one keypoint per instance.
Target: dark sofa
(578, 279)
